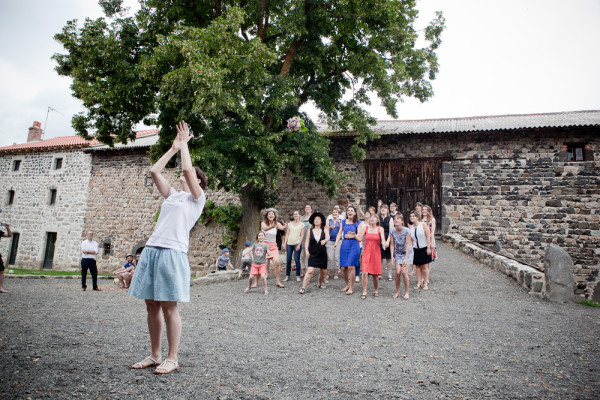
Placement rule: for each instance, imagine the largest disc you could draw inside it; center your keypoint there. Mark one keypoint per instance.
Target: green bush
(229, 215)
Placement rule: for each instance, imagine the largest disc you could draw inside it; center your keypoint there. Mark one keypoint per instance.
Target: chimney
(35, 132)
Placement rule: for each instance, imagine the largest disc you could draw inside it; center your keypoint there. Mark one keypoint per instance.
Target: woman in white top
(162, 277)
(269, 227)
(421, 241)
(293, 244)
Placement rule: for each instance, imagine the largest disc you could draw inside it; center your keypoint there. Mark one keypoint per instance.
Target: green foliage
(229, 215)
(156, 215)
(237, 71)
(588, 303)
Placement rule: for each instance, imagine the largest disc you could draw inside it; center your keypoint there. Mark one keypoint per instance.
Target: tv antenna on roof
(46, 123)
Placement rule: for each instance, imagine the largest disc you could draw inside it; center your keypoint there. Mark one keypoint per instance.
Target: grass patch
(21, 271)
(588, 303)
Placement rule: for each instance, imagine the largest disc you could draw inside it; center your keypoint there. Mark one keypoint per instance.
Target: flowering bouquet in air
(295, 124)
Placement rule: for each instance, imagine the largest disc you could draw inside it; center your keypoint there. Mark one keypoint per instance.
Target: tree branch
(244, 33)
(289, 57)
(266, 26)
(260, 23)
(291, 53)
(273, 37)
(311, 81)
(218, 10)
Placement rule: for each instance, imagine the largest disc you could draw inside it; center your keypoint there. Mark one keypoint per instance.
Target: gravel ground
(475, 334)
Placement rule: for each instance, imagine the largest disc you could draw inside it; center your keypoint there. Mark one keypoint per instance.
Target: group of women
(359, 248)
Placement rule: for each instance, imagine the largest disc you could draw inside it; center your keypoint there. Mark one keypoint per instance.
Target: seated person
(125, 273)
(223, 261)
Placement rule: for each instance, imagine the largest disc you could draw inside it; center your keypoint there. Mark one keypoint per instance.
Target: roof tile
(57, 142)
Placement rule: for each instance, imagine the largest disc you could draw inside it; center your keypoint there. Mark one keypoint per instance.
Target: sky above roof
(497, 57)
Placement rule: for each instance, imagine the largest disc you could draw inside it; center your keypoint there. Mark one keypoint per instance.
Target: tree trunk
(250, 224)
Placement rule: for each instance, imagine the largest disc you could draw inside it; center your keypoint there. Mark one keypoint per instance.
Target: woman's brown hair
(202, 176)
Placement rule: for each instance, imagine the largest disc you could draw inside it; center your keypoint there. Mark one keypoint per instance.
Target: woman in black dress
(316, 250)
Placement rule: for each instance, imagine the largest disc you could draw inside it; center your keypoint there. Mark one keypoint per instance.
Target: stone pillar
(559, 274)
(447, 183)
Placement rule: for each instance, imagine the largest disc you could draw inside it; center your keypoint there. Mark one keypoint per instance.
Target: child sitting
(223, 261)
(124, 273)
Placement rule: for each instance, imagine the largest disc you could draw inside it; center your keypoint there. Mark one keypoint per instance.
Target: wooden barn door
(406, 181)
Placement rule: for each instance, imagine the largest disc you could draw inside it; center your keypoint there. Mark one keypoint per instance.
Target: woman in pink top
(269, 227)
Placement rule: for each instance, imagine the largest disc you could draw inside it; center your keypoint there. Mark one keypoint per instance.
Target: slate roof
(479, 124)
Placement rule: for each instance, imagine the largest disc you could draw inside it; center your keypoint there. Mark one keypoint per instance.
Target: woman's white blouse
(178, 215)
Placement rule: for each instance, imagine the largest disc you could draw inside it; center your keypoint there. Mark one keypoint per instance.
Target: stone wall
(524, 204)
(511, 187)
(123, 201)
(31, 214)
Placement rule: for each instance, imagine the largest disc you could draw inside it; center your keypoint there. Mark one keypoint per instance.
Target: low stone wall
(533, 280)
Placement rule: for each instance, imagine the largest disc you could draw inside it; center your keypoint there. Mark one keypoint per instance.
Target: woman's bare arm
(183, 132)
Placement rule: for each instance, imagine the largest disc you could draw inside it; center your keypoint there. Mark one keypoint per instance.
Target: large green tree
(237, 71)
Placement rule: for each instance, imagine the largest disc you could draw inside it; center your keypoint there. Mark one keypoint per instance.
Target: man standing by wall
(89, 249)
(8, 233)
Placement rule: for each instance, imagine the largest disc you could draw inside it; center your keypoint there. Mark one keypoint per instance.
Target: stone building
(44, 198)
(123, 202)
(517, 182)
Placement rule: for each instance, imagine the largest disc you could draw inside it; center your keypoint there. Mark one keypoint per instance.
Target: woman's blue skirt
(349, 253)
(161, 274)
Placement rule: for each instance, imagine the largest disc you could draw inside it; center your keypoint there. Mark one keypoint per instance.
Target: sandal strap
(141, 363)
(164, 363)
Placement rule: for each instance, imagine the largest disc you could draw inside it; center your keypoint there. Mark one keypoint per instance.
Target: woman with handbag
(421, 240)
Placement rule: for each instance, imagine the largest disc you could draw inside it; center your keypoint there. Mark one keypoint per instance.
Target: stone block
(596, 294)
(559, 274)
(447, 180)
(538, 283)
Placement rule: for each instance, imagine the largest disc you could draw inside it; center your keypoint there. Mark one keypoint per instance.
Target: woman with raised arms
(162, 276)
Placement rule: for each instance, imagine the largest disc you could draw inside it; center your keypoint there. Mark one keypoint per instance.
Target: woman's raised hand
(183, 132)
(176, 146)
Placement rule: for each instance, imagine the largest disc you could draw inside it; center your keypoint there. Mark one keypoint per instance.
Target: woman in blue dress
(350, 250)
(162, 277)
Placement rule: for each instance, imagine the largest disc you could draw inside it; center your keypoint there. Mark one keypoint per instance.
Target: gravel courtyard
(475, 334)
